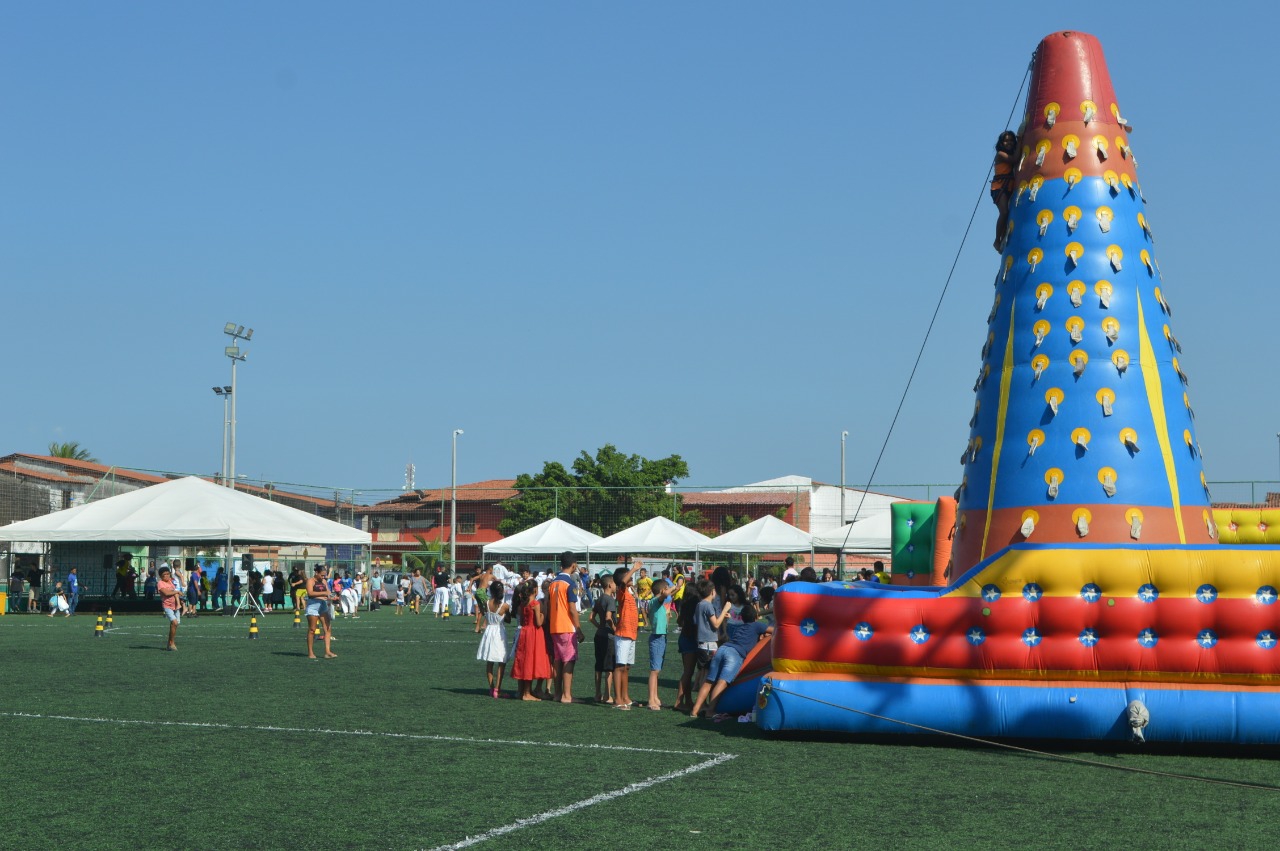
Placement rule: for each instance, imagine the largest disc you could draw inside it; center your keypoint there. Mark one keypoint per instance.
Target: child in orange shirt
(624, 648)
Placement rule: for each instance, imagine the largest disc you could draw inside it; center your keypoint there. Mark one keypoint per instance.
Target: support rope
(933, 320)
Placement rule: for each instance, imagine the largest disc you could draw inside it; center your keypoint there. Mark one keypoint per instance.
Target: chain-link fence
(426, 527)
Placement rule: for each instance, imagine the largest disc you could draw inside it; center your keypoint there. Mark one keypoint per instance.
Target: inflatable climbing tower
(1082, 427)
(1090, 597)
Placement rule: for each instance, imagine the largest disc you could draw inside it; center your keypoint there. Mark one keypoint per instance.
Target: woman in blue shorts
(318, 605)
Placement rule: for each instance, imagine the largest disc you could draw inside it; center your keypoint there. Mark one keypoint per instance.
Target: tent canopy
(191, 510)
(766, 535)
(658, 535)
(872, 534)
(549, 536)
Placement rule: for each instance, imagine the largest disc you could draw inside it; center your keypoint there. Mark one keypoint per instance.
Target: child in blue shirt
(728, 660)
(657, 608)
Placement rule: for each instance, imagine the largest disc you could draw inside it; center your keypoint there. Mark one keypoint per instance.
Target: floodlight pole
(453, 507)
(236, 333)
(844, 435)
(225, 393)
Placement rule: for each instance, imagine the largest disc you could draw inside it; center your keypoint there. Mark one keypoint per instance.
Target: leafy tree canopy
(73, 450)
(603, 494)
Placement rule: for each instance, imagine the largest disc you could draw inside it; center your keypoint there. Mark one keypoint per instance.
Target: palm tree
(71, 450)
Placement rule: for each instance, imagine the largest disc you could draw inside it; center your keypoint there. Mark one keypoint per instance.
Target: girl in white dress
(493, 641)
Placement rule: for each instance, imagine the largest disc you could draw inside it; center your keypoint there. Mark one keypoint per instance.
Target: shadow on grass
(148, 647)
(474, 692)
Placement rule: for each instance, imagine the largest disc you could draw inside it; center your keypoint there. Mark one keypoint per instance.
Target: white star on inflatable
(863, 631)
(1147, 636)
(975, 635)
(1147, 593)
(919, 635)
(1207, 595)
(1266, 595)
(1090, 594)
(1206, 640)
(990, 593)
(1032, 592)
(1266, 640)
(808, 627)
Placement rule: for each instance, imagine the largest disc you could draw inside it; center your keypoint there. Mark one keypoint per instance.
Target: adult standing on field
(418, 591)
(15, 591)
(122, 577)
(319, 601)
(440, 596)
(170, 603)
(73, 591)
(564, 626)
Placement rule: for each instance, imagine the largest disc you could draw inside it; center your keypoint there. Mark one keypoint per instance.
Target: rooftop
(489, 491)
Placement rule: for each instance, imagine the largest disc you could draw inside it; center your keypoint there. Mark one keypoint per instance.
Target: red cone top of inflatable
(1069, 70)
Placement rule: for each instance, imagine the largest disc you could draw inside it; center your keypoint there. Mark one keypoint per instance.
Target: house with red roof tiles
(406, 522)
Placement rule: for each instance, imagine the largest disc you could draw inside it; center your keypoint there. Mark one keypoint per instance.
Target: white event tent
(188, 510)
(766, 535)
(658, 535)
(872, 535)
(549, 536)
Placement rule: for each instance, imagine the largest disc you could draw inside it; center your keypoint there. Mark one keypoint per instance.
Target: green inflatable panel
(912, 538)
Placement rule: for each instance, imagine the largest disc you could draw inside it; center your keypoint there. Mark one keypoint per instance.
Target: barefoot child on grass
(624, 644)
(658, 602)
(532, 663)
(493, 641)
(603, 618)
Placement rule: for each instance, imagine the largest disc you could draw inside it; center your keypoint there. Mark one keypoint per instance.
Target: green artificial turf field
(228, 743)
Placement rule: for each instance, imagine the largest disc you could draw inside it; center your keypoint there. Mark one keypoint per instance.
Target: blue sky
(712, 229)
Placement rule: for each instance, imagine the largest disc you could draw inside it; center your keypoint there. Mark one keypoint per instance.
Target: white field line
(426, 737)
(238, 636)
(639, 786)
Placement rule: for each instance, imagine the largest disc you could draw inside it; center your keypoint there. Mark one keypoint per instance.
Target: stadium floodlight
(225, 393)
(236, 333)
(453, 506)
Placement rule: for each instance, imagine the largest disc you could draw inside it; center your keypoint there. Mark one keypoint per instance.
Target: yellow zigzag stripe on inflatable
(803, 666)
(1006, 379)
(1236, 572)
(1155, 400)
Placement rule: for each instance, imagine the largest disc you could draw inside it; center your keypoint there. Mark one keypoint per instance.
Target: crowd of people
(715, 619)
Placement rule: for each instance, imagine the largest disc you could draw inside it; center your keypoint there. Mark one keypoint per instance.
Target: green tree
(428, 554)
(73, 450)
(603, 494)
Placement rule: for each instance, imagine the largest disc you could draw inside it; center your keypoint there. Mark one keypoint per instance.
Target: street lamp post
(236, 333)
(225, 393)
(844, 435)
(453, 506)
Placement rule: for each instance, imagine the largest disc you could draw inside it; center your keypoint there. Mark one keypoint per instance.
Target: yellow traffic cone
(108, 618)
(253, 627)
(297, 619)
(97, 629)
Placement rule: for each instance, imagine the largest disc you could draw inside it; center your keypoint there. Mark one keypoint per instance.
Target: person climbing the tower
(1002, 182)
